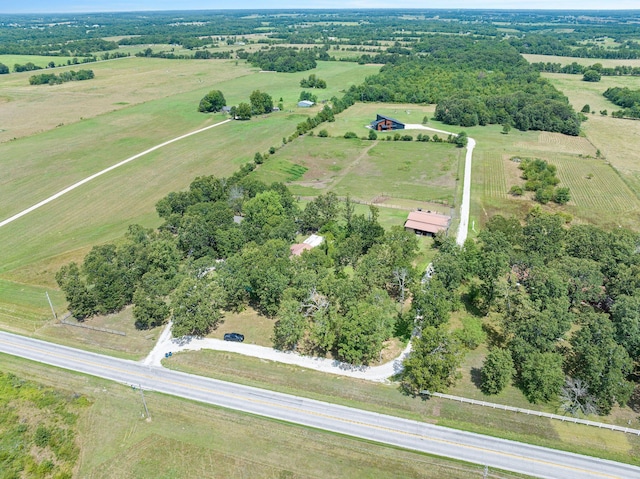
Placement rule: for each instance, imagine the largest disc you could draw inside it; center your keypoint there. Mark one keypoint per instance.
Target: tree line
(67, 76)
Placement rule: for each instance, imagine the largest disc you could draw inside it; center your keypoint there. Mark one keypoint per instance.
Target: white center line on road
(106, 170)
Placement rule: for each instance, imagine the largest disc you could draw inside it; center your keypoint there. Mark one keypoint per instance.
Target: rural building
(305, 104)
(385, 123)
(427, 222)
(310, 243)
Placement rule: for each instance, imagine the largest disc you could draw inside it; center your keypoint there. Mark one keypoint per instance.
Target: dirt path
(100, 173)
(338, 178)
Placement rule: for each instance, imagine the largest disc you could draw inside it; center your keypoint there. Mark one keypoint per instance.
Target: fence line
(63, 320)
(531, 412)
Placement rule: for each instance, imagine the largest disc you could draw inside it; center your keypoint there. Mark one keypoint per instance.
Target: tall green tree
(260, 102)
(433, 362)
(600, 362)
(196, 307)
(541, 376)
(82, 302)
(212, 102)
(497, 371)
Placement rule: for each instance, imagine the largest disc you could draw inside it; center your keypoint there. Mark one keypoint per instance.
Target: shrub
(516, 190)
(373, 135)
(350, 134)
(323, 133)
(591, 76)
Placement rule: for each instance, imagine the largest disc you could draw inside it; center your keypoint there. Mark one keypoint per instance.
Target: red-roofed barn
(427, 222)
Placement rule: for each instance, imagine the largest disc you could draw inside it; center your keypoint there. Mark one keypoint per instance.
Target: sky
(82, 6)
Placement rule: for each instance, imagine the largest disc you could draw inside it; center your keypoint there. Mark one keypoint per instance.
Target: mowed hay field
(34, 167)
(369, 171)
(618, 140)
(187, 439)
(599, 194)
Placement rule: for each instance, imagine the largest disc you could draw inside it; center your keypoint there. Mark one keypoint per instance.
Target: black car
(234, 337)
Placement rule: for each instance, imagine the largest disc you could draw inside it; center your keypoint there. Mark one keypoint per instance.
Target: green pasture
(387, 399)
(24, 307)
(38, 60)
(600, 194)
(187, 439)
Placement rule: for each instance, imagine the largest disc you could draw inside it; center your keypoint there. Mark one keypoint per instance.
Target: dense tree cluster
(225, 245)
(53, 79)
(566, 301)
(540, 177)
(628, 99)
(473, 82)
(281, 59)
(261, 102)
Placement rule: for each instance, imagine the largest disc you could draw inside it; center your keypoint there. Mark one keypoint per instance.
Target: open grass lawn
(24, 307)
(386, 398)
(257, 329)
(118, 84)
(187, 439)
(357, 117)
(134, 344)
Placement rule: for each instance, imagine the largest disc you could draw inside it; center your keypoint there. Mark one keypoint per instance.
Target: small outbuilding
(427, 222)
(305, 103)
(310, 243)
(385, 123)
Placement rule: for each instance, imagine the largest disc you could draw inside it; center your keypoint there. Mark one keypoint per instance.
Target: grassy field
(605, 62)
(617, 139)
(371, 171)
(386, 398)
(186, 439)
(39, 427)
(600, 193)
(38, 60)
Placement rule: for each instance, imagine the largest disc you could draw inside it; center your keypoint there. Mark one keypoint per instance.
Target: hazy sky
(55, 6)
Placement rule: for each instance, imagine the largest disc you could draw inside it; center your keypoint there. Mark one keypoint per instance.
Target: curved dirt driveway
(373, 373)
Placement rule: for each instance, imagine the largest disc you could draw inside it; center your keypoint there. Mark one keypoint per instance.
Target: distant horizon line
(501, 9)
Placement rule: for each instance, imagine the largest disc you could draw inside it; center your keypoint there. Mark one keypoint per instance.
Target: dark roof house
(427, 222)
(385, 123)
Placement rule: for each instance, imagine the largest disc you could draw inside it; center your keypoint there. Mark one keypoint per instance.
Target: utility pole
(144, 402)
(55, 316)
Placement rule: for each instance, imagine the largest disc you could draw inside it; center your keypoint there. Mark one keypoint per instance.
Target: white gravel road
(374, 373)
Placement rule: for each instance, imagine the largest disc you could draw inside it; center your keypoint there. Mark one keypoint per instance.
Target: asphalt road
(496, 453)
